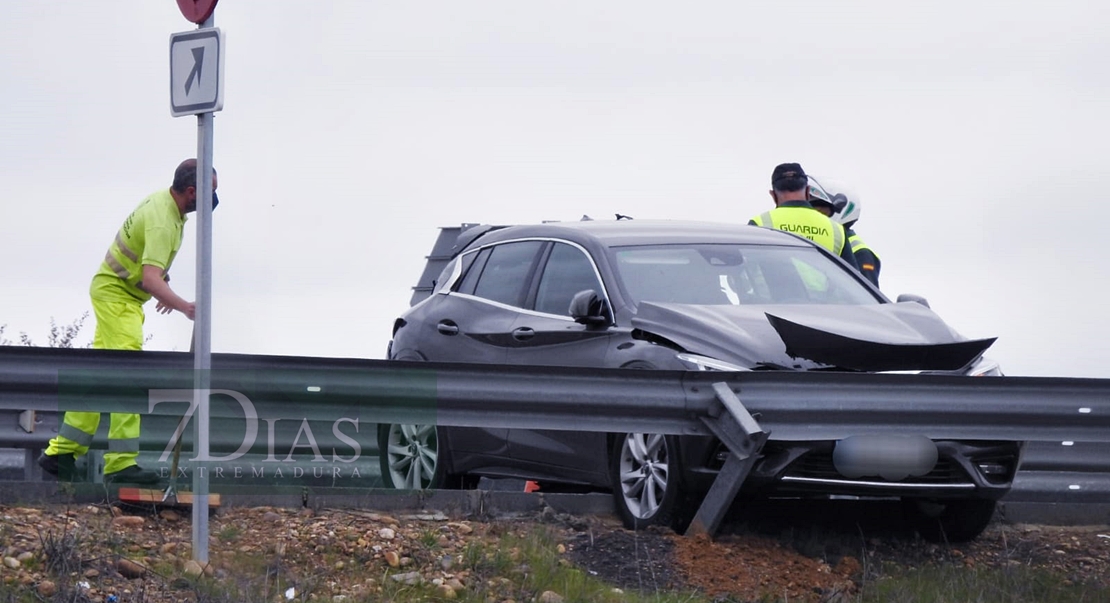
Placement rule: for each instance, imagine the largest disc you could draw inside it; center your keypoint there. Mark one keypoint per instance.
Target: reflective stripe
(116, 267)
(859, 245)
(125, 250)
(73, 434)
(765, 218)
(838, 237)
(128, 445)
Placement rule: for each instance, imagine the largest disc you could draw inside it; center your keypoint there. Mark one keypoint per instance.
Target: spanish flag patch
(868, 266)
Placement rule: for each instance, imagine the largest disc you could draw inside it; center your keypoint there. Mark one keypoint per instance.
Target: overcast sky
(975, 133)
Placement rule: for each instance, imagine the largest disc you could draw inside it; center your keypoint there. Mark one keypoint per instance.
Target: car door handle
(448, 327)
(523, 334)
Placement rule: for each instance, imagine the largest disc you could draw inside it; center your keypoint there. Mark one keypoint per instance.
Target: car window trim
(478, 264)
(546, 253)
(516, 309)
(529, 277)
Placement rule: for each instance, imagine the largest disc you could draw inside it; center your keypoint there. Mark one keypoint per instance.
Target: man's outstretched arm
(154, 283)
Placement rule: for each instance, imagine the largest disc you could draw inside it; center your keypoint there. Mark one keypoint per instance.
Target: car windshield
(719, 274)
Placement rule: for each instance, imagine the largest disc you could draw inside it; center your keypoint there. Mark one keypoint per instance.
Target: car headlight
(985, 368)
(705, 363)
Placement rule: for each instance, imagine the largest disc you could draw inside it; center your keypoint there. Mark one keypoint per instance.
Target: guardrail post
(27, 421)
(743, 436)
(95, 468)
(31, 470)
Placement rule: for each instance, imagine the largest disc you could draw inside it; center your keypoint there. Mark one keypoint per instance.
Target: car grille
(819, 465)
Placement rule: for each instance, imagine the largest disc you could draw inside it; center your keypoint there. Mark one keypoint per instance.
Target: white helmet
(847, 208)
(846, 204)
(818, 194)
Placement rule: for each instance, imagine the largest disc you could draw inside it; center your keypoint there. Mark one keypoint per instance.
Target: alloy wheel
(412, 452)
(644, 472)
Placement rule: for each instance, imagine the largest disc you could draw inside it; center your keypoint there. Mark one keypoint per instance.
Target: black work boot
(61, 466)
(132, 475)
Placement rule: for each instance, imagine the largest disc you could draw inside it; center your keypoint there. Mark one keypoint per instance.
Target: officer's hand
(163, 308)
(190, 310)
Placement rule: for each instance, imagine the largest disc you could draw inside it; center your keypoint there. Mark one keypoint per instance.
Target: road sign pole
(202, 361)
(196, 88)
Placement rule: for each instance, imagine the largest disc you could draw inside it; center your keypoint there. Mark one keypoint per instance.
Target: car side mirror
(589, 309)
(910, 297)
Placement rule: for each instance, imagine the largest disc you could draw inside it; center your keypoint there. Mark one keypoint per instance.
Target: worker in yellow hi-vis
(794, 212)
(134, 270)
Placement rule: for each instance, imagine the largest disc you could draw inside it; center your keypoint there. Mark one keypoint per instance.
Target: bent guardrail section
(286, 398)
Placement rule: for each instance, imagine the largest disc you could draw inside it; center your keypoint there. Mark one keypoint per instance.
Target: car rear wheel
(410, 457)
(945, 521)
(644, 473)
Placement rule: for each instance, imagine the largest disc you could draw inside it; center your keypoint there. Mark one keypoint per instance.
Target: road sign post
(202, 360)
(196, 88)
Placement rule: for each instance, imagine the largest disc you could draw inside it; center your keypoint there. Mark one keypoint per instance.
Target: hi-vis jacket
(799, 217)
(868, 260)
(150, 235)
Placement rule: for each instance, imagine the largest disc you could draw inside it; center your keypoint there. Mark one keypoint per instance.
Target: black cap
(788, 177)
(787, 171)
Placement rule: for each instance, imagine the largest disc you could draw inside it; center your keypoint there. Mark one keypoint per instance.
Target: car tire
(644, 471)
(945, 521)
(410, 457)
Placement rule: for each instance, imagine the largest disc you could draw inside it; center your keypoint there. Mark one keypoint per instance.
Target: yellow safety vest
(150, 235)
(806, 222)
(858, 245)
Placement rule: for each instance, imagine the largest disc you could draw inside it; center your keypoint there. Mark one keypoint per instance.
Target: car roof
(597, 234)
(615, 233)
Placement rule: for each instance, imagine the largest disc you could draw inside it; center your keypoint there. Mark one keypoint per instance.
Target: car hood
(881, 337)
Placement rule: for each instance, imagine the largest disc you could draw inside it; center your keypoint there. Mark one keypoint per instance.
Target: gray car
(639, 294)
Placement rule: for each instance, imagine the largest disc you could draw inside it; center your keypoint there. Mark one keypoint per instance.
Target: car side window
(472, 270)
(567, 272)
(505, 274)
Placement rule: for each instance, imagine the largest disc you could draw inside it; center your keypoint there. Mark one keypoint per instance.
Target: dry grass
(283, 555)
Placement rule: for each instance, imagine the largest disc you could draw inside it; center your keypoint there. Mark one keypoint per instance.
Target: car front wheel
(410, 457)
(946, 521)
(644, 472)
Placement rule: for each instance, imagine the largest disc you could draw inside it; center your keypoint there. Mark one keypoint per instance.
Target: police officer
(843, 206)
(133, 271)
(794, 213)
(847, 214)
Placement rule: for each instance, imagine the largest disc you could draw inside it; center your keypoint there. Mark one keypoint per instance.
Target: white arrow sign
(196, 72)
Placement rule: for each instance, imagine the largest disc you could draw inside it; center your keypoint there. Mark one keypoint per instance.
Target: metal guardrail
(740, 408)
(1075, 457)
(789, 405)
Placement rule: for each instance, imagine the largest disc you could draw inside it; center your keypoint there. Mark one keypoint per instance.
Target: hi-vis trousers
(119, 326)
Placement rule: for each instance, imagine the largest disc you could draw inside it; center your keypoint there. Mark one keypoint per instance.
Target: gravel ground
(101, 552)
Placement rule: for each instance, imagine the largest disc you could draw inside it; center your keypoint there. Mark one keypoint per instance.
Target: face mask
(192, 206)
